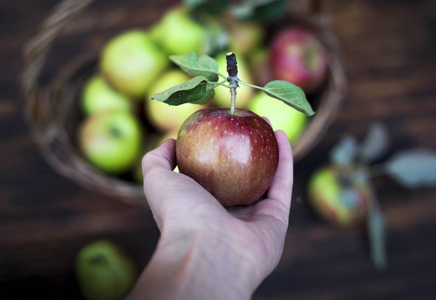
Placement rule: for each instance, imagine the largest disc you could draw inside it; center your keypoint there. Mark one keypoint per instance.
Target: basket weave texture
(52, 110)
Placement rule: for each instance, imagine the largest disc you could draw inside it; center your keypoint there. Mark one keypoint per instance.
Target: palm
(254, 232)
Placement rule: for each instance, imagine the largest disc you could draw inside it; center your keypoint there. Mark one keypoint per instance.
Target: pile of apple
(122, 123)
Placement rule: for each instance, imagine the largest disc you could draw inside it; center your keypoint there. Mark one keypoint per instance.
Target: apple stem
(233, 100)
(232, 70)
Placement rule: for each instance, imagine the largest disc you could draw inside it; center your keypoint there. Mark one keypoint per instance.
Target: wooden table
(389, 59)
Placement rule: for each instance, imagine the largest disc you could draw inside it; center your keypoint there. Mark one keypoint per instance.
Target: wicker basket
(53, 113)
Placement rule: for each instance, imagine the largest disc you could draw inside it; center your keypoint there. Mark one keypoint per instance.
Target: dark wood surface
(389, 59)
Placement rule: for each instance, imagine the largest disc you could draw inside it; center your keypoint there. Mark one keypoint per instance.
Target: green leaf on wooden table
(197, 66)
(344, 152)
(197, 90)
(375, 143)
(414, 168)
(290, 94)
(377, 236)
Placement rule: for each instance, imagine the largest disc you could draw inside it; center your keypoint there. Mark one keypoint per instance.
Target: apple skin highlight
(233, 156)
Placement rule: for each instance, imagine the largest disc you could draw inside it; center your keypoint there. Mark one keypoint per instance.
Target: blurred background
(386, 50)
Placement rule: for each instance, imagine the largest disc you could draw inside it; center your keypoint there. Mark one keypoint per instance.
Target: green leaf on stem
(197, 66)
(414, 168)
(377, 235)
(290, 94)
(197, 90)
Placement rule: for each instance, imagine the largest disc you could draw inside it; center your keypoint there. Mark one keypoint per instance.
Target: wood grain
(388, 56)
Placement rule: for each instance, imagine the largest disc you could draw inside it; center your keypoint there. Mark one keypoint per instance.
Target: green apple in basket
(281, 116)
(231, 152)
(244, 37)
(111, 140)
(163, 116)
(98, 96)
(131, 61)
(178, 33)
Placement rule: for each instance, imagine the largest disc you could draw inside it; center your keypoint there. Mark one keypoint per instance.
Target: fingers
(169, 193)
(278, 202)
(163, 156)
(281, 187)
(157, 166)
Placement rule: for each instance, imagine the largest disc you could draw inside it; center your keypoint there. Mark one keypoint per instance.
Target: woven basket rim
(63, 157)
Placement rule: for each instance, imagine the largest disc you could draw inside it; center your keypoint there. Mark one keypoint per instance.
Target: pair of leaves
(199, 89)
(413, 168)
(373, 147)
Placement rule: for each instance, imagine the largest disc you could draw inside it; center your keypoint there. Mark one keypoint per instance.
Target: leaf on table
(290, 94)
(375, 144)
(197, 90)
(344, 152)
(197, 66)
(377, 236)
(413, 168)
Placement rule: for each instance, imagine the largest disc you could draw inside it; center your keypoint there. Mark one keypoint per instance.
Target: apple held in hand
(111, 141)
(337, 198)
(232, 152)
(233, 156)
(298, 57)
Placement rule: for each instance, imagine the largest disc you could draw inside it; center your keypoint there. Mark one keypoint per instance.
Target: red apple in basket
(234, 156)
(297, 56)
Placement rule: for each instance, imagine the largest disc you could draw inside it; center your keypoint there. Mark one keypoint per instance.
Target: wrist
(198, 265)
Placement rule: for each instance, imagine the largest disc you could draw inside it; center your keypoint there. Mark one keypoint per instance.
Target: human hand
(207, 250)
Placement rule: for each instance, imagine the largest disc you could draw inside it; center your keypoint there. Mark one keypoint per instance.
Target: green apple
(111, 140)
(104, 270)
(168, 117)
(244, 37)
(337, 197)
(281, 115)
(98, 96)
(177, 33)
(131, 61)
(244, 93)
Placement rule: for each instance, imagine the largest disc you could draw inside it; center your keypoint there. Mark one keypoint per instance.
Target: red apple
(233, 156)
(298, 57)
